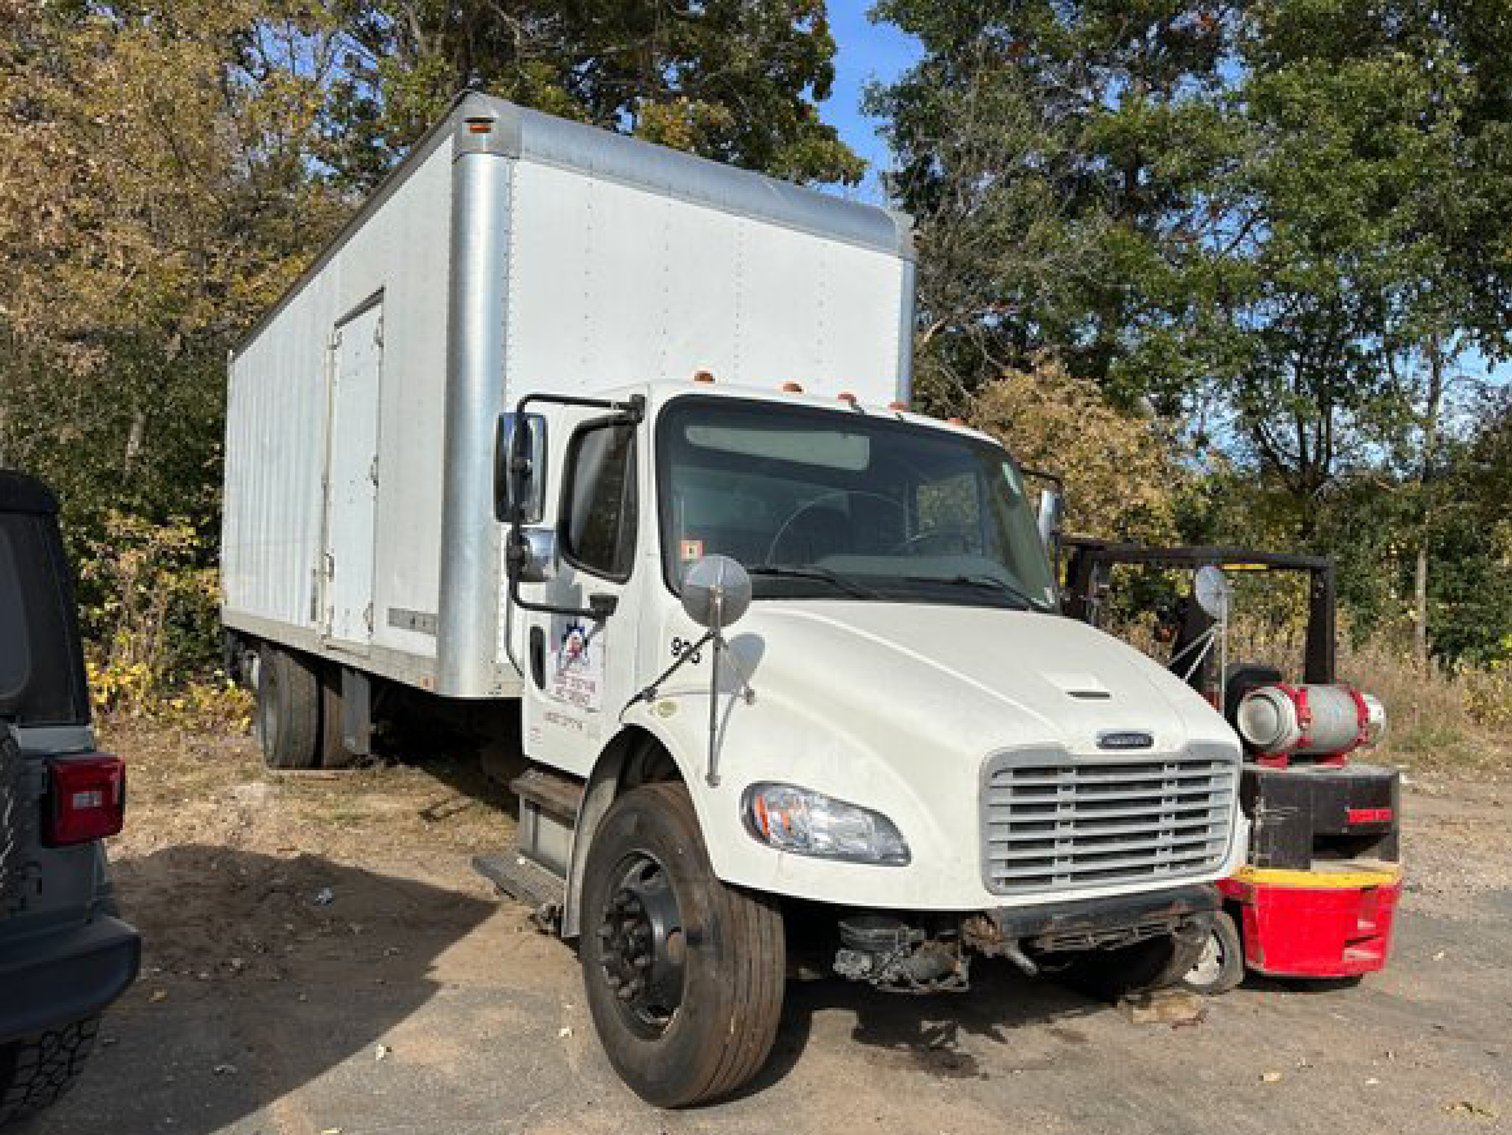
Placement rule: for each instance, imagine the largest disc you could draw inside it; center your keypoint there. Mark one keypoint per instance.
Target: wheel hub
(642, 946)
(1209, 966)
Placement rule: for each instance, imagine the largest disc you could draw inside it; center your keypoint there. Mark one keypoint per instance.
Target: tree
(735, 80)
(1378, 183)
(157, 192)
(1121, 474)
(1066, 163)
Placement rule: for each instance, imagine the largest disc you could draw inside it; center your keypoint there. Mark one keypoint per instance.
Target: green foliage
(148, 611)
(1291, 219)
(1066, 164)
(736, 80)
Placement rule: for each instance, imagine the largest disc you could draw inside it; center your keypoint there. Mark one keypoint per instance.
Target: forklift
(1318, 893)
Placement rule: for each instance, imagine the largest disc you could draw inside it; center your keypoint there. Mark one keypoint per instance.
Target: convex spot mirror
(520, 469)
(1212, 591)
(533, 555)
(716, 591)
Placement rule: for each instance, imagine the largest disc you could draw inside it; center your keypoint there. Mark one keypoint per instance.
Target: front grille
(1053, 823)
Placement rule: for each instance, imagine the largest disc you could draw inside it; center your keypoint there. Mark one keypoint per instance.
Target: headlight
(809, 823)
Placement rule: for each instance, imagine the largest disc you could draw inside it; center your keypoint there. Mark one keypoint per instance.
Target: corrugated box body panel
(278, 423)
(613, 284)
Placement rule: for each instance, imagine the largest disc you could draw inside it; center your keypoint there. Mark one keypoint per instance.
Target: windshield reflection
(826, 505)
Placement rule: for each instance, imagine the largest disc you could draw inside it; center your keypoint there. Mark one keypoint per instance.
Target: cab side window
(599, 505)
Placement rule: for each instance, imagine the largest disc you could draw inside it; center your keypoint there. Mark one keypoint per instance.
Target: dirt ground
(321, 960)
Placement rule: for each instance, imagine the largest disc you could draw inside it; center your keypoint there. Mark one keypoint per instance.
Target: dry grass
(1436, 720)
(204, 786)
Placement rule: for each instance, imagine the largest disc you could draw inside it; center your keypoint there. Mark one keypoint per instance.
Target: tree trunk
(1420, 607)
(1431, 409)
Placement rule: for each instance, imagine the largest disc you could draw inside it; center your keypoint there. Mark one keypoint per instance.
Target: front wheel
(684, 974)
(1220, 967)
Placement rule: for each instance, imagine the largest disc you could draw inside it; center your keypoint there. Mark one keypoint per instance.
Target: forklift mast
(1089, 570)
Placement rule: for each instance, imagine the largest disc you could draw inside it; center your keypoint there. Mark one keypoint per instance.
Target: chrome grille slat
(1052, 822)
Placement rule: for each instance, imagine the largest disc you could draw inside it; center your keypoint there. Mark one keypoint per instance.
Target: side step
(526, 882)
(535, 871)
(549, 806)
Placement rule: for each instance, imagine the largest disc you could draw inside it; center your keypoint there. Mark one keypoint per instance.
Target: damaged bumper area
(891, 952)
(1099, 924)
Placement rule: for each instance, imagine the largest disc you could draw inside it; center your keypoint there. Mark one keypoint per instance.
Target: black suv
(64, 956)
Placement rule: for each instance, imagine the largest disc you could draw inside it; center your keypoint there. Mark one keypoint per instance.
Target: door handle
(538, 657)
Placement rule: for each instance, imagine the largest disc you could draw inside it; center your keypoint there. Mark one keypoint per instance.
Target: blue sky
(867, 52)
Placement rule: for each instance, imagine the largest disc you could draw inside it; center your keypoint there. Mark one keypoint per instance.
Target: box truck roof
(516, 132)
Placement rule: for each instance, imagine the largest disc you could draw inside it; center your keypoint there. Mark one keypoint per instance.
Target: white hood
(983, 678)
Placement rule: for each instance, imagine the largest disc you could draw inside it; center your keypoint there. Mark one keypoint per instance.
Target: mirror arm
(599, 609)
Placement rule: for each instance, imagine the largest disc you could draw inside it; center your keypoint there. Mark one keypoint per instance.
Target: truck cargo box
(512, 252)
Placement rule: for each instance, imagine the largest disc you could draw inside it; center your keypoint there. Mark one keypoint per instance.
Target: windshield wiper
(1002, 586)
(824, 575)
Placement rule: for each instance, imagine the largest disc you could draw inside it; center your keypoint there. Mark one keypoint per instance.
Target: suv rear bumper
(54, 979)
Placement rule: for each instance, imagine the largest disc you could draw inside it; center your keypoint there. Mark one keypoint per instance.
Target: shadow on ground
(259, 975)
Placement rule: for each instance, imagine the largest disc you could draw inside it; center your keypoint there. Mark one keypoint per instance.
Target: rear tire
(37, 1070)
(288, 710)
(333, 750)
(684, 974)
(1155, 963)
(1220, 967)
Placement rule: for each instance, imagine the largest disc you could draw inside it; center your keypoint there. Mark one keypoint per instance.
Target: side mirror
(716, 591)
(1052, 510)
(532, 555)
(520, 469)
(1213, 592)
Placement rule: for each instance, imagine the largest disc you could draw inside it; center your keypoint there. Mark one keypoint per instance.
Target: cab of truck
(64, 955)
(780, 647)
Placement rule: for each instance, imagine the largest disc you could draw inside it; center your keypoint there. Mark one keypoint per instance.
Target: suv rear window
(40, 678)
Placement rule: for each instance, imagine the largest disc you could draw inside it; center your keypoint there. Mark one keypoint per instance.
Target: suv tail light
(86, 800)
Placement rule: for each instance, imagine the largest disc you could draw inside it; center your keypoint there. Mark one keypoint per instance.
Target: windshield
(820, 504)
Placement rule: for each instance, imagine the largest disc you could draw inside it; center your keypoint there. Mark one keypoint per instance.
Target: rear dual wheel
(299, 712)
(684, 974)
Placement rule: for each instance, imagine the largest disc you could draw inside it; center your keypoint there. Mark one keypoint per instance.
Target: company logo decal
(1125, 740)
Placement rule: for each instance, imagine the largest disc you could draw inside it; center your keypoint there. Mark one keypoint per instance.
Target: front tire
(37, 1070)
(684, 974)
(1220, 967)
(288, 710)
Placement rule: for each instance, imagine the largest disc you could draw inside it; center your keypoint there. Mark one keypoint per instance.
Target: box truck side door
(351, 488)
(580, 671)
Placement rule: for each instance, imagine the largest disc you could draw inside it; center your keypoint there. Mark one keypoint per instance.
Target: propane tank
(1309, 721)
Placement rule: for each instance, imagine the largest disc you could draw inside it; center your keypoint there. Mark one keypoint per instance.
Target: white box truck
(618, 437)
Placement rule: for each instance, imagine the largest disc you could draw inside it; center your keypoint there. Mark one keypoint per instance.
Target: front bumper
(48, 980)
(1091, 924)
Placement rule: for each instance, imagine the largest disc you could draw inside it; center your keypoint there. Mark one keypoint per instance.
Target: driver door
(580, 670)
